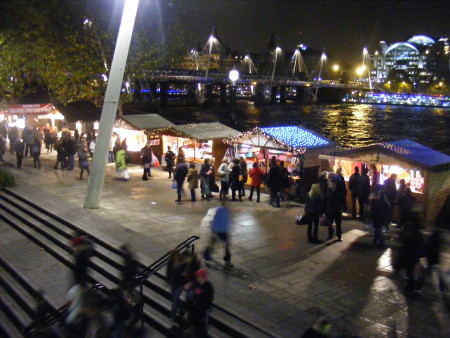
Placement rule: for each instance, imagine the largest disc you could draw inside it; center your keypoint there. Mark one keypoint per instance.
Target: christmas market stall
(138, 129)
(198, 141)
(425, 170)
(298, 147)
(34, 115)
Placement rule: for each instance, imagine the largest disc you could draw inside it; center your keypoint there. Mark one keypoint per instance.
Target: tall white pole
(97, 176)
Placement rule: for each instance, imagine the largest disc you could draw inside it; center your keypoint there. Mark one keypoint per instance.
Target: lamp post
(108, 117)
(233, 76)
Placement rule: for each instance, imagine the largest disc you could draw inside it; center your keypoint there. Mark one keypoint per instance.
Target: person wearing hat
(201, 298)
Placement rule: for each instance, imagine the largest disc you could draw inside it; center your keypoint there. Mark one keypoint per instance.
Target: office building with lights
(421, 59)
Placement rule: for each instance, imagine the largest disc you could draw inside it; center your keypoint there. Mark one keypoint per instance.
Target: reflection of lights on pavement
(385, 261)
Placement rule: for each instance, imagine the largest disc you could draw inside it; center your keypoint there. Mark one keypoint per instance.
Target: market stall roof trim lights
(295, 136)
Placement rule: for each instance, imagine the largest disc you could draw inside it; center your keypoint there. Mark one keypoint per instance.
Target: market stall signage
(20, 109)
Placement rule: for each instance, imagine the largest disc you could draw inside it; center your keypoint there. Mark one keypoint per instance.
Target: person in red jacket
(256, 175)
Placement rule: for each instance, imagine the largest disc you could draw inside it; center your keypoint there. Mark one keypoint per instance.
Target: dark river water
(349, 125)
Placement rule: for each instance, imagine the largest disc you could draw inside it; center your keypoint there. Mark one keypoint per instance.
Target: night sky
(343, 27)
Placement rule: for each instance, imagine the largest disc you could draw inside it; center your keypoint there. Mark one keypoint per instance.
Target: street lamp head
(336, 67)
(233, 75)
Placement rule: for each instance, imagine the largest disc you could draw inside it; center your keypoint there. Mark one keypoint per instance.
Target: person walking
(170, 160)
(147, 158)
(177, 278)
(122, 163)
(379, 213)
(60, 154)
(112, 142)
(390, 188)
(181, 171)
(334, 205)
(363, 192)
(353, 186)
(36, 153)
(220, 231)
(256, 174)
(48, 139)
(244, 173)
(13, 135)
(19, 148)
(200, 296)
(236, 180)
(192, 179)
(313, 208)
(224, 176)
(83, 153)
(274, 182)
(205, 171)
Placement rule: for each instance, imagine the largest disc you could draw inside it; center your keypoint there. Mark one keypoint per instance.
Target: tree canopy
(65, 47)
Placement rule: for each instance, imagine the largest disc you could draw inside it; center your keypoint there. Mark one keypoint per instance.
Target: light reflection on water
(347, 125)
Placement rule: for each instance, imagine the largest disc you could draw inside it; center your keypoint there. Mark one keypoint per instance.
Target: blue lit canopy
(289, 138)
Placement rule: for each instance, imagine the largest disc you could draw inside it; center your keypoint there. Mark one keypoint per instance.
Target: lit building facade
(421, 59)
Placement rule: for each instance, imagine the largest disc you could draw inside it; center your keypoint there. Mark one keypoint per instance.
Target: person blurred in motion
(13, 135)
(83, 250)
(313, 208)
(129, 269)
(320, 329)
(256, 174)
(379, 214)
(220, 232)
(411, 249)
(177, 278)
(199, 300)
(433, 249)
(60, 154)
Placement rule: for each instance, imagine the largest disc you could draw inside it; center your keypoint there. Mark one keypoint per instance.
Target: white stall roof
(207, 131)
(147, 121)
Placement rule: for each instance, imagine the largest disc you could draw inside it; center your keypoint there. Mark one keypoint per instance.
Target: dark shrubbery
(6, 179)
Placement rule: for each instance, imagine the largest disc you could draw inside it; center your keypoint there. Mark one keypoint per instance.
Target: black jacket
(314, 205)
(363, 189)
(275, 178)
(353, 183)
(181, 172)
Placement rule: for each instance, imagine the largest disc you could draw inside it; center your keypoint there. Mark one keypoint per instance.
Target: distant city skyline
(341, 27)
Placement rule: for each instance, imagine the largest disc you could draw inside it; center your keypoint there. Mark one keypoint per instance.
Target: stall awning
(289, 138)
(404, 150)
(147, 121)
(206, 131)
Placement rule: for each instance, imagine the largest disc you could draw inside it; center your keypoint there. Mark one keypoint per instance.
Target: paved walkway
(279, 281)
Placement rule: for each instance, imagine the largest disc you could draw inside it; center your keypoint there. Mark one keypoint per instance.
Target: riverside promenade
(279, 280)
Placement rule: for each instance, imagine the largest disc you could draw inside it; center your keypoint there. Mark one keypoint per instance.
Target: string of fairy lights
(291, 138)
(394, 148)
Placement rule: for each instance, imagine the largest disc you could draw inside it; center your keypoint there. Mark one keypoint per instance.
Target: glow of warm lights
(441, 84)
(336, 68)
(233, 75)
